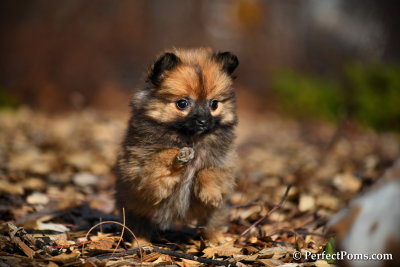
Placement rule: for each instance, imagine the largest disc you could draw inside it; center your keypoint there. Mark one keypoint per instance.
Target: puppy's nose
(201, 122)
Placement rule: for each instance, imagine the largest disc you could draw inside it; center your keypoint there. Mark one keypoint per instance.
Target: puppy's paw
(185, 155)
(212, 197)
(215, 237)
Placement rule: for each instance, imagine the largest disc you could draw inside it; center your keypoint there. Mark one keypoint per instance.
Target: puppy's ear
(164, 63)
(228, 61)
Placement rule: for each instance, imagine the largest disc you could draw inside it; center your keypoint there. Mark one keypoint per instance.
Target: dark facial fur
(188, 104)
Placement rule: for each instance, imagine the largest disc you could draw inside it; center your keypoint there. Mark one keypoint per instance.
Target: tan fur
(165, 178)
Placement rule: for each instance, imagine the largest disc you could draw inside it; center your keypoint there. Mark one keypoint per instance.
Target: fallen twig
(253, 203)
(167, 252)
(275, 208)
(305, 232)
(122, 231)
(73, 245)
(123, 226)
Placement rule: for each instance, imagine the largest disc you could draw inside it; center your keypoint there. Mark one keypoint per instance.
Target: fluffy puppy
(177, 164)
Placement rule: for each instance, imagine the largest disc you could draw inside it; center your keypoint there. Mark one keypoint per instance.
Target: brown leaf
(239, 257)
(188, 263)
(270, 262)
(11, 188)
(65, 258)
(106, 243)
(163, 260)
(151, 257)
(226, 250)
(275, 252)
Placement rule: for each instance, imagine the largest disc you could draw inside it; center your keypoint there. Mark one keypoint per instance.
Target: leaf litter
(56, 191)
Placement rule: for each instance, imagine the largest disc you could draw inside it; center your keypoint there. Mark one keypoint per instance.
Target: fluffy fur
(176, 165)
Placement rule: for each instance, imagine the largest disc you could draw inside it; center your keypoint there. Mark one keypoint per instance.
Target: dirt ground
(56, 183)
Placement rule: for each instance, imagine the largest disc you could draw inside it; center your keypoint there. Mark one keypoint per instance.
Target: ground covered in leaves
(56, 183)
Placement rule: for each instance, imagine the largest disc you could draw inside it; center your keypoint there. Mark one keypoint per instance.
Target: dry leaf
(188, 263)
(270, 262)
(11, 188)
(239, 257)
(52, 226)
(267, 253)
(65, 258)
(105, 243)
(163, 260)
(225, 250)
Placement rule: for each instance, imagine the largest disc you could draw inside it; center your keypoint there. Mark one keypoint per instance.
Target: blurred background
(309, 59)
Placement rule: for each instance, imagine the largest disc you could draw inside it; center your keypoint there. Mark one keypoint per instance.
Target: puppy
(176, 165)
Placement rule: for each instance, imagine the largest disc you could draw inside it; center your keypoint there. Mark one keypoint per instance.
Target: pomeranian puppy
(176, 165)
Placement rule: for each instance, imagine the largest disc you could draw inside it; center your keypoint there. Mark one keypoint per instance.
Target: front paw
(212, 197)
(185, 155)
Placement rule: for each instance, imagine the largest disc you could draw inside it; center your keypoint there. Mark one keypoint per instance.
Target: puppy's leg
(214, 225)
(163, 172)
(141, 226)
(212, 185)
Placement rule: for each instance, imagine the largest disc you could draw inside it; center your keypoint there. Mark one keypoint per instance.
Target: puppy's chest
(177, 205)
(199, 162)
(204, 158)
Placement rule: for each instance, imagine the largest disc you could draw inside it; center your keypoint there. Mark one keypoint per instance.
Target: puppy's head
(190, 91)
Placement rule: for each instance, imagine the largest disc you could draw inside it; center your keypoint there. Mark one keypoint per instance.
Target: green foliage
(368, 94)
(7, 100)
(376, 95)
(305, 95)
(330, 249)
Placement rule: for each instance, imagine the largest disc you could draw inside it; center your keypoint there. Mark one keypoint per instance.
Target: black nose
(201, 122)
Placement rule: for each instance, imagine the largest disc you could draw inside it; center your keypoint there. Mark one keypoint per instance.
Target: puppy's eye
(214, 104)
(182, 104)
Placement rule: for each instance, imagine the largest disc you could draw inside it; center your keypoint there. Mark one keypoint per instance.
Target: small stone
(37, 198)
(328, 202)
(85, 179)
(347, 183)
(306, 203)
